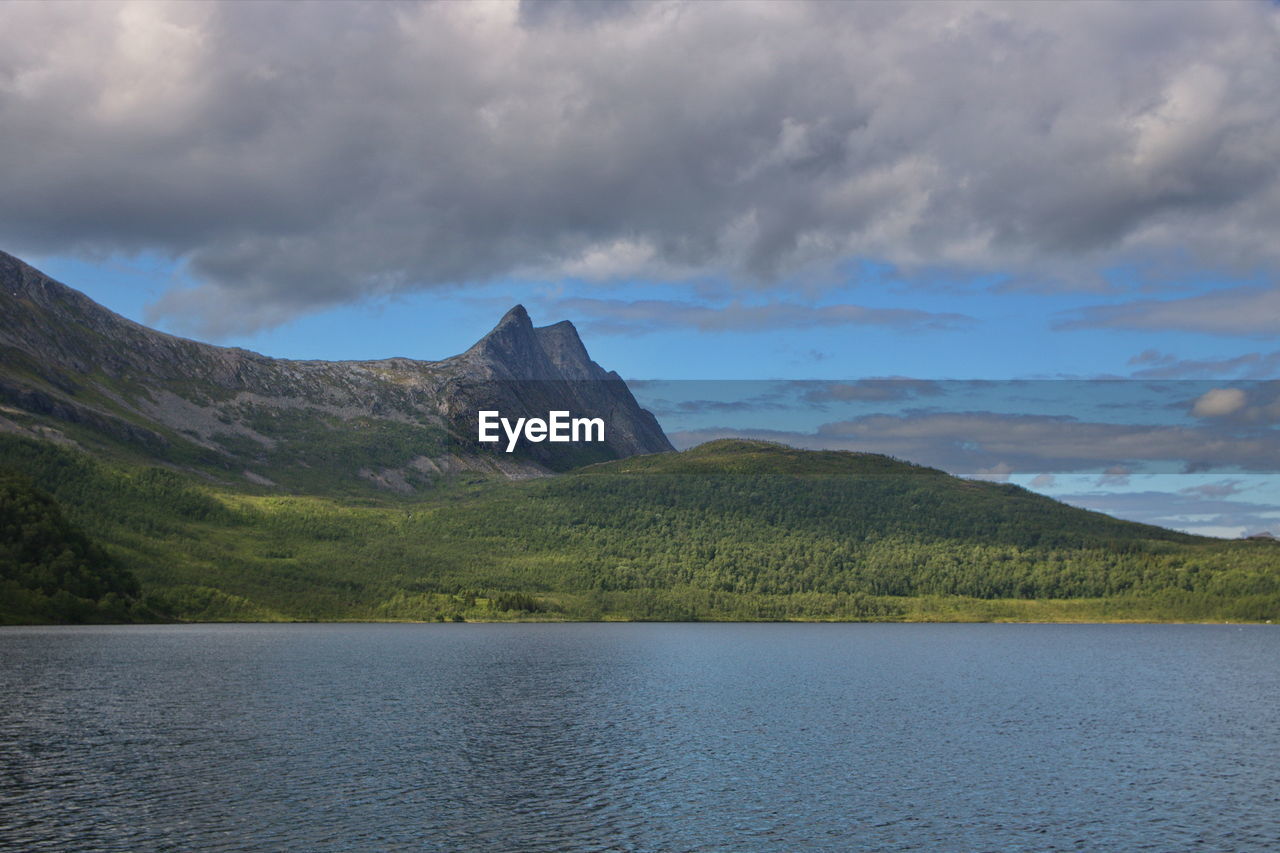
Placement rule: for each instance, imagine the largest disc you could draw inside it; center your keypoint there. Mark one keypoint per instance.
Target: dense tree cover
(732, 530)
(49, 569)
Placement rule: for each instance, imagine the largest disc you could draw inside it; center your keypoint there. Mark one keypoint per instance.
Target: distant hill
(868, 494)
(73, 372)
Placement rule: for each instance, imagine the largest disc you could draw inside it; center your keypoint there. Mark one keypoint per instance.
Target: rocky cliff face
(72, 371)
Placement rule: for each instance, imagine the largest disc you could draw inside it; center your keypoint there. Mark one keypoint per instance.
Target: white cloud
(1219, 402)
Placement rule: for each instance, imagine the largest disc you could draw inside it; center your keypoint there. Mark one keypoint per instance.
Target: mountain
(234, 486)
(71, 371)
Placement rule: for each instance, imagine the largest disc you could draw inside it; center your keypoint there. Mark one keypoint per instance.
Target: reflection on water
(640, 737)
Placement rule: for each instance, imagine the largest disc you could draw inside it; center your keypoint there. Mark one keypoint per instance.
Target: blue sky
(709, 191)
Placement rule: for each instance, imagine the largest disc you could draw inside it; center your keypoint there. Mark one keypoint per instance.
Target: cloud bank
(1153, 364)
(642, 316)
(1245, 311)
(1203, 513)
(296, 156)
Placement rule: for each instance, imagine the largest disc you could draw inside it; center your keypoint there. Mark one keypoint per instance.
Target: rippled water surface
(640, 737)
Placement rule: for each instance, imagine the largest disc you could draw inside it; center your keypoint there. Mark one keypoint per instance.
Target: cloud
(1253, 365)
(1258, 406)
(1219, 402)
(297, 156)
(877, 390)
(998, 473)
(1043, 481)
(1248, 311)
(1151, 356)
(972, 441)
(668, 408)
(1214, 490)
(1193, 513)
(1116, 475)
(644, 316)
(986, 443)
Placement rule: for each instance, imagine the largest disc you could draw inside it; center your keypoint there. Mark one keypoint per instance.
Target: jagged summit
(73, 371)
(514, 323)
(510, 348)
(516, 349)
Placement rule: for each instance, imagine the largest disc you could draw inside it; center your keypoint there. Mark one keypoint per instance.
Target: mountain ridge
(74, 371)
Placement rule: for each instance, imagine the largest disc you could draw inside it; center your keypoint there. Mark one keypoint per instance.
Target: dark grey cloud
(1248, 311)
(637, 317)
(295, 155)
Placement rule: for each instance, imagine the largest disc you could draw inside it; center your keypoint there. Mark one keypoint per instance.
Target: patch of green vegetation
(50, 571)
(739, 530)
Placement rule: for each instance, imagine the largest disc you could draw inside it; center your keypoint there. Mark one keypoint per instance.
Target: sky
(1080, 199)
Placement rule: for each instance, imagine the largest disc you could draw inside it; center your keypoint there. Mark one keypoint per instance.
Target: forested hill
(857, 495)
(728, 530)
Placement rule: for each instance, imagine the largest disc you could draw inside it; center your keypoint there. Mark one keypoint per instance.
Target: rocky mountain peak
(509, 350)
(515, 322)
(515, 349)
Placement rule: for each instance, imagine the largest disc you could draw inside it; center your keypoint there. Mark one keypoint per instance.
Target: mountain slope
(72, 371)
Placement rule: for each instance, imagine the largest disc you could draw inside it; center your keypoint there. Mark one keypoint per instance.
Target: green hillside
(50, 571)
(729, 530)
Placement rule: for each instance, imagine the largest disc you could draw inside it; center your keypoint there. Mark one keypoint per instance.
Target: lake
(761, 737)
